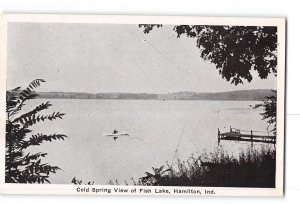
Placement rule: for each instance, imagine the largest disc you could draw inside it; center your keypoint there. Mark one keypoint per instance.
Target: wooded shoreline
(241, 95)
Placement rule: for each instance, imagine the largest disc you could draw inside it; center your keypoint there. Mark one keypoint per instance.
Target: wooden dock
(235, 134)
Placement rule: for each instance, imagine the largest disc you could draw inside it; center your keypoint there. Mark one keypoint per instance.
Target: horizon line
(118, 92)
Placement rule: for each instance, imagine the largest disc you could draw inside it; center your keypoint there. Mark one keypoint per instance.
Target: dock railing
(236, 134)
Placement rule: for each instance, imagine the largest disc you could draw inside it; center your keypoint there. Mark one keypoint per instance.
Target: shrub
(21, 167)
(252, 168)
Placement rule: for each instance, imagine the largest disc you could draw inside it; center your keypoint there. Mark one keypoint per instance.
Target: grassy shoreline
(252, 168)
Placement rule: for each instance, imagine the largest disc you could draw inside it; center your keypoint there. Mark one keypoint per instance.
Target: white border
(126, 19)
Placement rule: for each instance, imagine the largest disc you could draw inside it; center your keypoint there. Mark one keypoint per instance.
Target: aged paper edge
(127, 19)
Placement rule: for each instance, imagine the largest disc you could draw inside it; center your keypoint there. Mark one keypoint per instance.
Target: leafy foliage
(270, 106)
(21, 168)
(252, 168)
(79, 182)
(153, 179)
(235, 50)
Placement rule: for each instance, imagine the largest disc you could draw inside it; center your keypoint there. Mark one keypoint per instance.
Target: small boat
(118, 134)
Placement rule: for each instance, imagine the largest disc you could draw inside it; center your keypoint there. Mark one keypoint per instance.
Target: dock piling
(237, 135)
(218, 136)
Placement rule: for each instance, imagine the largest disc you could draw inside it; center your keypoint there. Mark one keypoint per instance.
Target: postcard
(142, 105)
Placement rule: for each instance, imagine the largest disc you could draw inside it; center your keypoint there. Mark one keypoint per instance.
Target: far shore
(240, 95)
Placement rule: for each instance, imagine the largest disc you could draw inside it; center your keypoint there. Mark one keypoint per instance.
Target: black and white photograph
(163, 105)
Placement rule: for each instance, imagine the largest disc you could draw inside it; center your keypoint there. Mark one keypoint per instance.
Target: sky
(112, 58)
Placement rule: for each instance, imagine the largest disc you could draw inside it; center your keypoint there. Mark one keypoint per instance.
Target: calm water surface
(155, 129)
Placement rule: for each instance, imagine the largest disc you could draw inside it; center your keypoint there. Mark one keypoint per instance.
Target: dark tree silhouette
(21, 167)
(235, 50)
(269, 105)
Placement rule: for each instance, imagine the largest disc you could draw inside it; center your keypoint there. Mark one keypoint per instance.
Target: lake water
(155, 129)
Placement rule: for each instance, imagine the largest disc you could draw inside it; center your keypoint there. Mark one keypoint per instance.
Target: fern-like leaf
(40, 138)
(33, 119)
(25, 95)
(20, 168)
(31, 114)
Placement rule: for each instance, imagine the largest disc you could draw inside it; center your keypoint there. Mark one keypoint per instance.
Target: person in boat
(115, 131)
